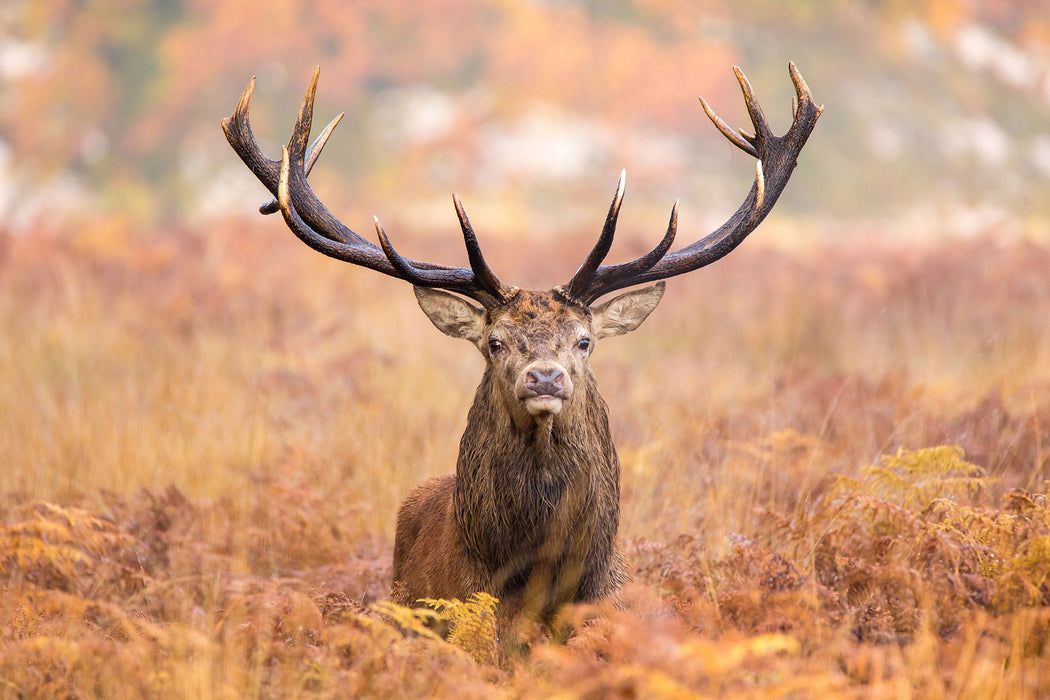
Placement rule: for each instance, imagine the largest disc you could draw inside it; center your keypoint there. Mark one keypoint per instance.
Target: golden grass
(205, 437)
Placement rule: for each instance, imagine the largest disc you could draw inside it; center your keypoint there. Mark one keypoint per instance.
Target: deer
(531, 513)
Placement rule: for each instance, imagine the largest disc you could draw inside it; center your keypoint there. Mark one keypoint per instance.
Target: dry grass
(205, 437)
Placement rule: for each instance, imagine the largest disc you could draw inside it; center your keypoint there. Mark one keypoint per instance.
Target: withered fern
(472, 624)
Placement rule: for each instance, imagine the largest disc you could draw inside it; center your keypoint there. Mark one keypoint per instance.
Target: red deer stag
(531, 513)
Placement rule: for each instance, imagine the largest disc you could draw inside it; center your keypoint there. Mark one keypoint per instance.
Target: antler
(776, 160)
(315, 225)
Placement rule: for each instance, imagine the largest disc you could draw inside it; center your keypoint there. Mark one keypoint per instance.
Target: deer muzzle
(544, 387)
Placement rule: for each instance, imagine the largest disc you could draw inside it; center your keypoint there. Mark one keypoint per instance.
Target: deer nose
(541, 382)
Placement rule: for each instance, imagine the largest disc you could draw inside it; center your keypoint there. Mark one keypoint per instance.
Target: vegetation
(835, 475)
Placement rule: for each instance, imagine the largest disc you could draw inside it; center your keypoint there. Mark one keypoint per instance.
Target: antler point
(384, 242)
(245, 102)
(760, 185)
(283, 196)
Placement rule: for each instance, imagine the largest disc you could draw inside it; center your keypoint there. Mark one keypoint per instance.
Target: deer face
(538, 344)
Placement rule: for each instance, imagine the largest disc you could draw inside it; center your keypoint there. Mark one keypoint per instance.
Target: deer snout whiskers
(544, 386)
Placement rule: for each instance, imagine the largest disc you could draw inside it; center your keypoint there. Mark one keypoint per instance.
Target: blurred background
(937, 120)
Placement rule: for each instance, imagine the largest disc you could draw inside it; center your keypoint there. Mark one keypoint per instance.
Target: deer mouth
(543, 404)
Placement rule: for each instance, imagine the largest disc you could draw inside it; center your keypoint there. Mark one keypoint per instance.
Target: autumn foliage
(835, 478)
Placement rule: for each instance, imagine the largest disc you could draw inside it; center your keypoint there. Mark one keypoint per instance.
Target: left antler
(776, 160)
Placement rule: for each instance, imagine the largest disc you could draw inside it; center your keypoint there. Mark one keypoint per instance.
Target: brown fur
(531, 514)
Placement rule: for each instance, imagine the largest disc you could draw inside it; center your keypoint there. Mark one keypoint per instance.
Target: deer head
(524, 516)
(537, 344)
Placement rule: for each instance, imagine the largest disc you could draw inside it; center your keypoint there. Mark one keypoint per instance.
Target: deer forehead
(539, 319)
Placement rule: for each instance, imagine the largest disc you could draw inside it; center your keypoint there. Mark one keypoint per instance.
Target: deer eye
(584, 343)
(495, 346)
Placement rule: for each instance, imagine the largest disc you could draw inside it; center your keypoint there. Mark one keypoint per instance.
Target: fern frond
(472, 624)
(916, 477)
(414, 620)
(58, 539)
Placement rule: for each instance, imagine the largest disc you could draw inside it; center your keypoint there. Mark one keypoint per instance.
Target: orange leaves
(62, 547)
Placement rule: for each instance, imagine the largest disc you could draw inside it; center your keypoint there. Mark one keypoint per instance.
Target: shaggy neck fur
(542, 501)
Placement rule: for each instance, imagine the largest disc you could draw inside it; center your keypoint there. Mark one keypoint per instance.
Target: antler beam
(315, 225)
(777, 157)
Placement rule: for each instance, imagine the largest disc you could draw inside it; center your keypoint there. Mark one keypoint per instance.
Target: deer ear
(626, 312)
(452, 315)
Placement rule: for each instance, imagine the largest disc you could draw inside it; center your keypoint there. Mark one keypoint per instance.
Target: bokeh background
(937, 121)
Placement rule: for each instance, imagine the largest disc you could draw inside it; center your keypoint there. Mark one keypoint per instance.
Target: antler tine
(459, 280)
(404, 268)
(244, 104)
(760, 186)
(754, 109)
(728, 131)
(486, 277)
(238, 130)
(312, 154)
(802, 95)
(583, 277)
(301, 133)
(801, 87)
(642, 264)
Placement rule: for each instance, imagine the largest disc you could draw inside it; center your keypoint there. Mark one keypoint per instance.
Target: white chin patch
(539, 405)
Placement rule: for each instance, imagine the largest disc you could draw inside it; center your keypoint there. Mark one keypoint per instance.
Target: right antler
(776, 160)
(316, 226)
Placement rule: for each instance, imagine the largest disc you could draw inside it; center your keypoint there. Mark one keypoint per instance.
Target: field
(836, 463)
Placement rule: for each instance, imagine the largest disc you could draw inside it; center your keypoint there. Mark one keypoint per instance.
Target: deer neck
(520, 483)
(501, 434)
